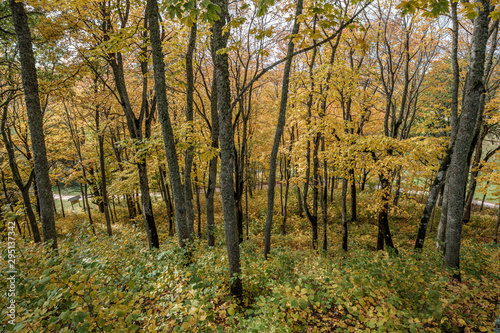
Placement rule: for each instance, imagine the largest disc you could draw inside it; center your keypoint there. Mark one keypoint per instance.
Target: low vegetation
(117, 284)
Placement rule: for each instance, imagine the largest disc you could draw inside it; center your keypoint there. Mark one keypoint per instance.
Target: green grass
(67, 190)
(490, 197)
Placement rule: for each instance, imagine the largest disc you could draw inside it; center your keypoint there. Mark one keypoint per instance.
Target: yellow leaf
(230, 311)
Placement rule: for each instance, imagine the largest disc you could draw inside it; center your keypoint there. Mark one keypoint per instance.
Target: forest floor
(112, 284)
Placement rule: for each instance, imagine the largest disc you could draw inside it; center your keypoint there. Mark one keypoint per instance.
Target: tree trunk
(363, 180)
(60, 198)
(221, 62)
(285, 203)
(83, 197)
(16, 177)
(279, 132)
(344, 214)
(458, 173)
(166, 126)
(432, 198)
(147, 208)
(87, 205)
(102, 169)
(171, 226)
(189, 119)
(114, 207)
(482, 201)
(454, 121)
(134, 124)
(473, 180)
(384, 233)
(212, 169)
(167, 200)
(130, 205)
(443, 220)
(11, 208)
(35, 121)
(398, 189)
(324, 200)
(198, 204)
(299, 201)
(352, 182)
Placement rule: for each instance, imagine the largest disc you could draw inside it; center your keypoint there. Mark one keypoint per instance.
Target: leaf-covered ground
(101, 284)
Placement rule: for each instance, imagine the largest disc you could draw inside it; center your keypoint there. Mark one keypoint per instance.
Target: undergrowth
(102, 284)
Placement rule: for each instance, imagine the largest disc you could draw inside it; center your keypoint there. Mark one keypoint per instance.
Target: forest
(250, 166)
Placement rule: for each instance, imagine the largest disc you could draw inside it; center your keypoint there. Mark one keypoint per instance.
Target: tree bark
(60, 198)
(432, 198)
(473, 175)
(279, 132)
(189, 119)
(352, 181)
(35, 121)
(454, 120)
(167, 200)
(104, 192)
(166, 126)
(221, 62)
(384, 233)
(344, 214)
(469, 116)
(16, 176)
(212, 169)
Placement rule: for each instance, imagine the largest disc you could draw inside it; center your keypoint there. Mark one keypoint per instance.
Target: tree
(168, 134)
(457, 176)
(134, 124)
(35, 121)
(279, 132)
(16, 176)
(226, 138)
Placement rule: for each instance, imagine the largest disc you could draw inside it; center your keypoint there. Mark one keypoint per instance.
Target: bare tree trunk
(443, 220)
(384, 233)
(11, 208)
(454, 122)
(221, 62)
(16, 177)
(299, 201)
(198, 205)
(60, 198)
(86, 199)
(324, 199)
(482, 201)
(212, 168)
(457, 177)
(168, 134)
(189, 119)
(398, 189)
(431, 200)
(35, 121)
(83, 197)
(352, 182)
(279, 132)
(167, 200)
(104, 192)
(114, 208)
(344, 215)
